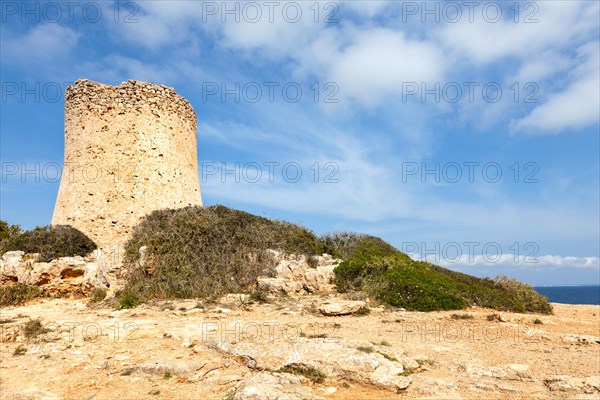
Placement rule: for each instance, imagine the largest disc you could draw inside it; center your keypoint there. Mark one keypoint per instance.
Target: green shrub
(363, 311)
(15, 295)
(20, 350)
(309, 372)
(345, 245)
(398, 280)
(202, 252)
(528, 299)
(128, 300)
(98, 294)
(365, 349)
(7, 231)
(50, 242)
(259, 296)
(462, 316)
(34, 328)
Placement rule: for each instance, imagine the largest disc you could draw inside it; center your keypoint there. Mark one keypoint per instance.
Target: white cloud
(44, 44)
(157, 24)
(290, 27)
(509, 260)
(379, 61)
(576, 106)
(483, 42)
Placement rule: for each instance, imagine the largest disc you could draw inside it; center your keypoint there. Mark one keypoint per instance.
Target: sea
(571, 294)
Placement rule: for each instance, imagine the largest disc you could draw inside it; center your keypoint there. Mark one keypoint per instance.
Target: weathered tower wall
(129, 150)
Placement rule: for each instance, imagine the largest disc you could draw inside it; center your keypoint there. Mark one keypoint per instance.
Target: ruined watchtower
(129, 150)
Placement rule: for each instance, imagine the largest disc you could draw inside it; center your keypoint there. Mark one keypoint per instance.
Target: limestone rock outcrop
(266, 386)
(297, 274)
(341, 307)
(65, 275)
(337, 359)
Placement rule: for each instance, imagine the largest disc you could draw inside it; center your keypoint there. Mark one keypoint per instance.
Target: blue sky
(464, 133)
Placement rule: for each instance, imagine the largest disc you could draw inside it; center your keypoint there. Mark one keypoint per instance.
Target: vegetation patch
(33, 328)
(388, 357)
(19, 351)
(462, 316)
(14, 295)
(128, 300)
(7, 231)
(394, 278)
(363, 311)
(492, 317)
(259, 296)
(50, 242)
(198, 252)
(98, 294)
(312, 373)
(365, 349)
(345, 245)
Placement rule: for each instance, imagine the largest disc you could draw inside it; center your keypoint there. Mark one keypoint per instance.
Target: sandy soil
(159, 351)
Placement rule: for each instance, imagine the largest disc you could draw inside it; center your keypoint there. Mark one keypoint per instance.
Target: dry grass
(198, 252)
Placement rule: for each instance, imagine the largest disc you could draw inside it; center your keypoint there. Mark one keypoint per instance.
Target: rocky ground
(289, 349)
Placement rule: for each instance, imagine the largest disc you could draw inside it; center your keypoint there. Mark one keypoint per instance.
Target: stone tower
(129, 150)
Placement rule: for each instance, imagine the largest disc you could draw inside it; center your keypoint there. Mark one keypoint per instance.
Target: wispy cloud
(576, 105)
(38, 48)
(510, 260)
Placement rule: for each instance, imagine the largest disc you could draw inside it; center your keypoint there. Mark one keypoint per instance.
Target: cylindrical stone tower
(129, 150)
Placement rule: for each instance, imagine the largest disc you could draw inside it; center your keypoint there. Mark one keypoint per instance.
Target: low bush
(14, 295)
(97, 295)
(345, 245)
(365, 349)
(201, 252)
(462, 316)
(525, 296)
(259, 296)
(397, 280)
(197, 252)
(50, 242)
(128, 300)
(363, 311)
(307, 371)
(20, 350)
(33, 328)
(7, 231)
